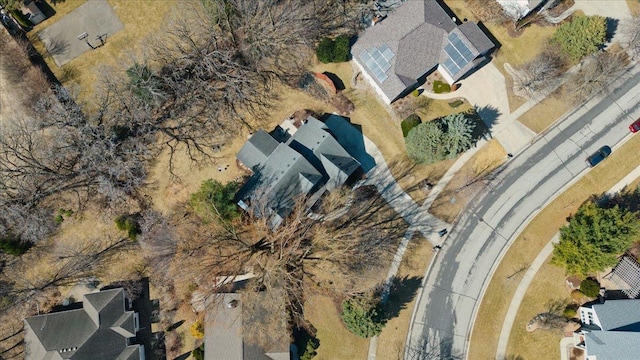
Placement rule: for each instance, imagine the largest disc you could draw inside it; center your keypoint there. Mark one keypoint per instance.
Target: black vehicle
(597, 157)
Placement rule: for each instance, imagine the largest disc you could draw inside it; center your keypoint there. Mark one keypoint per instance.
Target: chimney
(232, 304)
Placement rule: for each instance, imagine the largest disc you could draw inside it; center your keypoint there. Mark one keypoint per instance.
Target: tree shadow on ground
(46, 9)
(487, 117)
(183, 356)
(175, 325)
(57, 46)
(401, 293)
(626, 199)
(337, 82)
(612, 28)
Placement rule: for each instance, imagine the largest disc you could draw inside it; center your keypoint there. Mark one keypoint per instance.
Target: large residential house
(104, 328)
(610, 330)
(304, 160)
(227, 323)
(398, 53)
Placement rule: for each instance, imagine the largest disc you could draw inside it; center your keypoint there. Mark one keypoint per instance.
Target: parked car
(597, 157)
(635, 127)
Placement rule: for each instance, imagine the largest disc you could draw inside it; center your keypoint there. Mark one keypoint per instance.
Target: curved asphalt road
(444, 313)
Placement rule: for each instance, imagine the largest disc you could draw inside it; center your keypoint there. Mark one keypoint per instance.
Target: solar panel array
(377, 61)
(459, 55)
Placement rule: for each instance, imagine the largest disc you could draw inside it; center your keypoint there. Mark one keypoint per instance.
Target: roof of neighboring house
(411, 42)
(613, 345)
(309, 159)
(97, 331)
(619, 315)
(227, 323)
(626, 274)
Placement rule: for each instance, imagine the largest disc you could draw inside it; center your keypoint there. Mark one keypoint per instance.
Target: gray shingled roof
(311, 158)
(83, 333)
(224, 331)
(416, 33)
(619, 315)
(613, 345)
(257, 149)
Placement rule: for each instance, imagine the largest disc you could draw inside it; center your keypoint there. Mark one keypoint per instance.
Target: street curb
(521, 228)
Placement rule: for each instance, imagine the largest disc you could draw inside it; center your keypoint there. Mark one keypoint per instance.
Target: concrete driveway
(486, 89)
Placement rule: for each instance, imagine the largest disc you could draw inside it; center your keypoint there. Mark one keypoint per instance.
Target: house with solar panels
(422, 36)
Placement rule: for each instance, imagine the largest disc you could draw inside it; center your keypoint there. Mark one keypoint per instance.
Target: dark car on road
(597, 157)
(635, 127)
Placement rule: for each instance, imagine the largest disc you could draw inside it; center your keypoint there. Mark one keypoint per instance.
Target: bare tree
(598, 74)
(295, 258)
(269, 35)
(488, 11)
(631, 31)
(538, 76)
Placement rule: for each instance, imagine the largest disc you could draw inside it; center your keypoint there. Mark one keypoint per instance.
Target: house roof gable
(619, 315)
(612, 345)
(73, 334)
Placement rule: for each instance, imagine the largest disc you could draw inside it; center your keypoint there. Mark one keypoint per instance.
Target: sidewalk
(528, 277)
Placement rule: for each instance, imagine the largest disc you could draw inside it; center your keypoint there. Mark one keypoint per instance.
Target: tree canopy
(440, 139)
(214, 200)
(581, 36)
(362, 316)
(594, 238)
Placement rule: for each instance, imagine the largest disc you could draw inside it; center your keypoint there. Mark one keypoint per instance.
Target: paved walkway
(528, 277)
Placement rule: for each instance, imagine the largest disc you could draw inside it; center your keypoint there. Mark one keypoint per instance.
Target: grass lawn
(402, 299)
(546, 112)
(380, 124)
(483, 162)
(547, 286)
(526, 247)
(336, 342)
(517, 51)
(141, 18)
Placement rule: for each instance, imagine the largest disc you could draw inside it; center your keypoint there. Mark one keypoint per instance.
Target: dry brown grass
(336, 342)
(483, 162)
(380, 124)
(546, 112)
(634, 6)
(517, 51)
(140, 18)
(547, 286)
(392, 339)
(526, 247)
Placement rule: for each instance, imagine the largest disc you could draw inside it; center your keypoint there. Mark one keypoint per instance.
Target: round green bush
(198, 353)
(569, 312)
(337, 50)
(409, 123)
(361, 317)
(590, 287)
